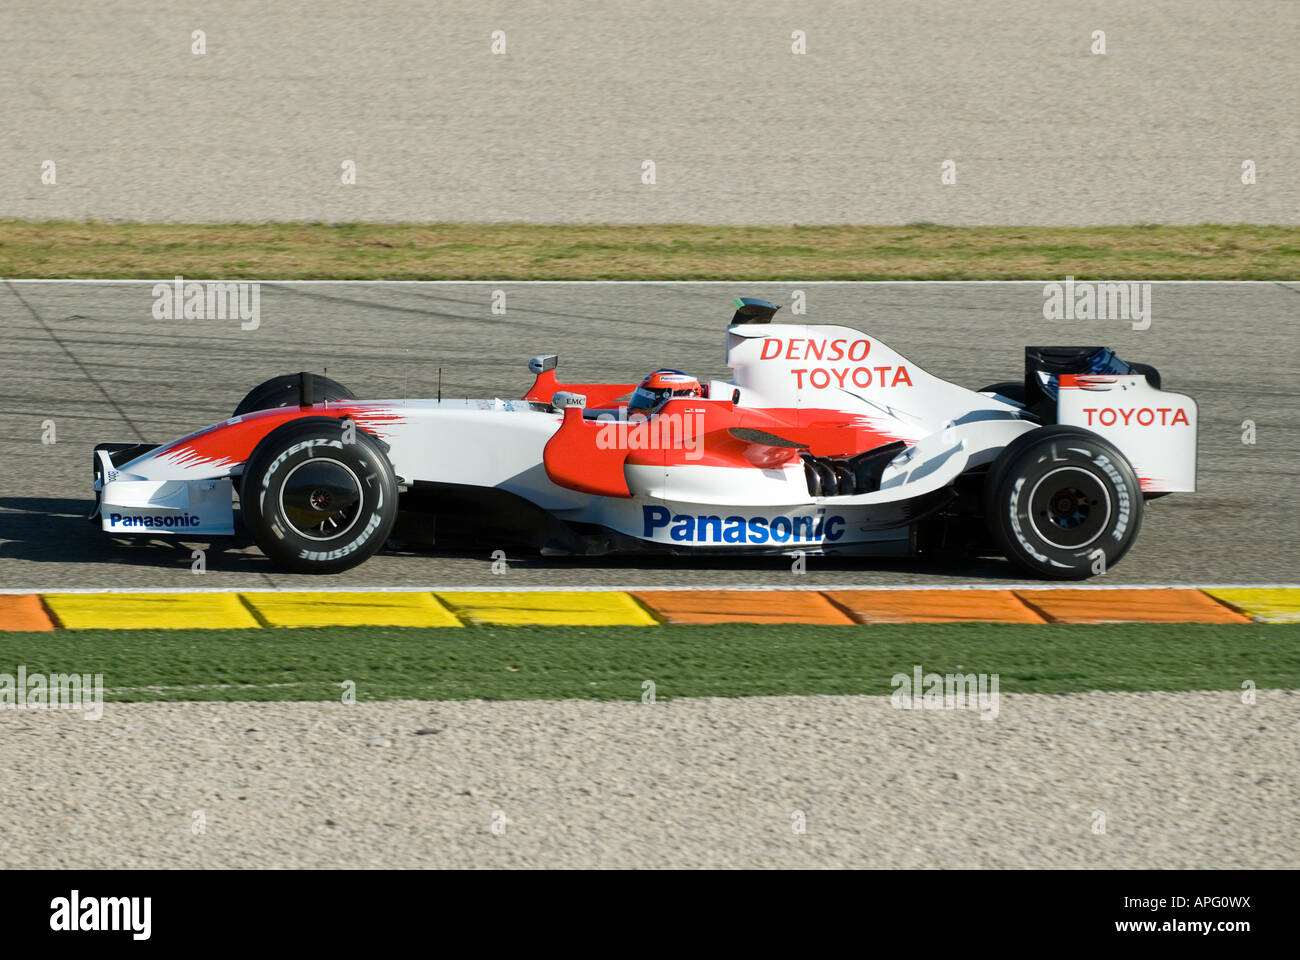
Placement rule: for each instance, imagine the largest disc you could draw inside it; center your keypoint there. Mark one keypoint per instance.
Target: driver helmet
(661, 386)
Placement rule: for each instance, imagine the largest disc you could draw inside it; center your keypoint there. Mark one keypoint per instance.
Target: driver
(657, 389)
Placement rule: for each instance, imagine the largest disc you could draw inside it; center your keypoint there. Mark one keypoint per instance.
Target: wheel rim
(321, 499)
(1070, 507)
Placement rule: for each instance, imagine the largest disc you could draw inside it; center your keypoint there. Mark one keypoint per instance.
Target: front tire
(283, 392)
(1011, 389)
(1062, 503)
(319, 496)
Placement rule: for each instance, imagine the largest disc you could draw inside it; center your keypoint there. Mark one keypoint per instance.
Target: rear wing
(1093, 388)
(1044, 367)
(1155, 430)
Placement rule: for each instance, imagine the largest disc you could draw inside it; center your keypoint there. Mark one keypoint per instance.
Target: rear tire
(284, 392)
(319, 497)
(1062, 503)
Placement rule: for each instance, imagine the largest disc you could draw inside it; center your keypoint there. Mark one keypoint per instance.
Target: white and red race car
(826, 441)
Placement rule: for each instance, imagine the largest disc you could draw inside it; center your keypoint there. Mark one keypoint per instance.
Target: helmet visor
(643, 399)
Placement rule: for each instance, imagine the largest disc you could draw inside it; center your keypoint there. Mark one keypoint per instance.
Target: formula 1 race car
(826, 442)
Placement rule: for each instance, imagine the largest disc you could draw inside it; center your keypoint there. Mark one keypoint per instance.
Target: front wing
(127, 504)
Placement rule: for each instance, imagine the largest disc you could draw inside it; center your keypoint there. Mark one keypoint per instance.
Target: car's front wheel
(319, 495)
(285, 391)
(1011, 389)
(1063, 503)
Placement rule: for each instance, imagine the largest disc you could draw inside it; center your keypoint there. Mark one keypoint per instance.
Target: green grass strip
(611, 663)
(512, 251)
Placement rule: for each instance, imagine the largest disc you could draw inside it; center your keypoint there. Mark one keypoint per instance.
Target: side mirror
(563, 399)
(545, 362)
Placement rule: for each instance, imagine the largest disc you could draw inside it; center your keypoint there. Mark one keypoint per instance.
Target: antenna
(440, 384)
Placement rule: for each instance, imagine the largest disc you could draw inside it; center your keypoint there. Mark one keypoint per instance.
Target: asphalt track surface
(741, 130)
(91, 357)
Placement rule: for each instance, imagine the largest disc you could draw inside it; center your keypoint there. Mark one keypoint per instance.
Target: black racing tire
(318, 496)
(1011, 389)
(284, 392)
(1057, 495)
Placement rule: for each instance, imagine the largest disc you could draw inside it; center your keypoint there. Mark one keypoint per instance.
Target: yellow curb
(328, 609)
(578, 608)
(1279, 605)
(150, 611)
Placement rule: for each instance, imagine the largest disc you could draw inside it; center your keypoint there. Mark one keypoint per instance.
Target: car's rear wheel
(1063, 503)
(319, 496)
(285, 392)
